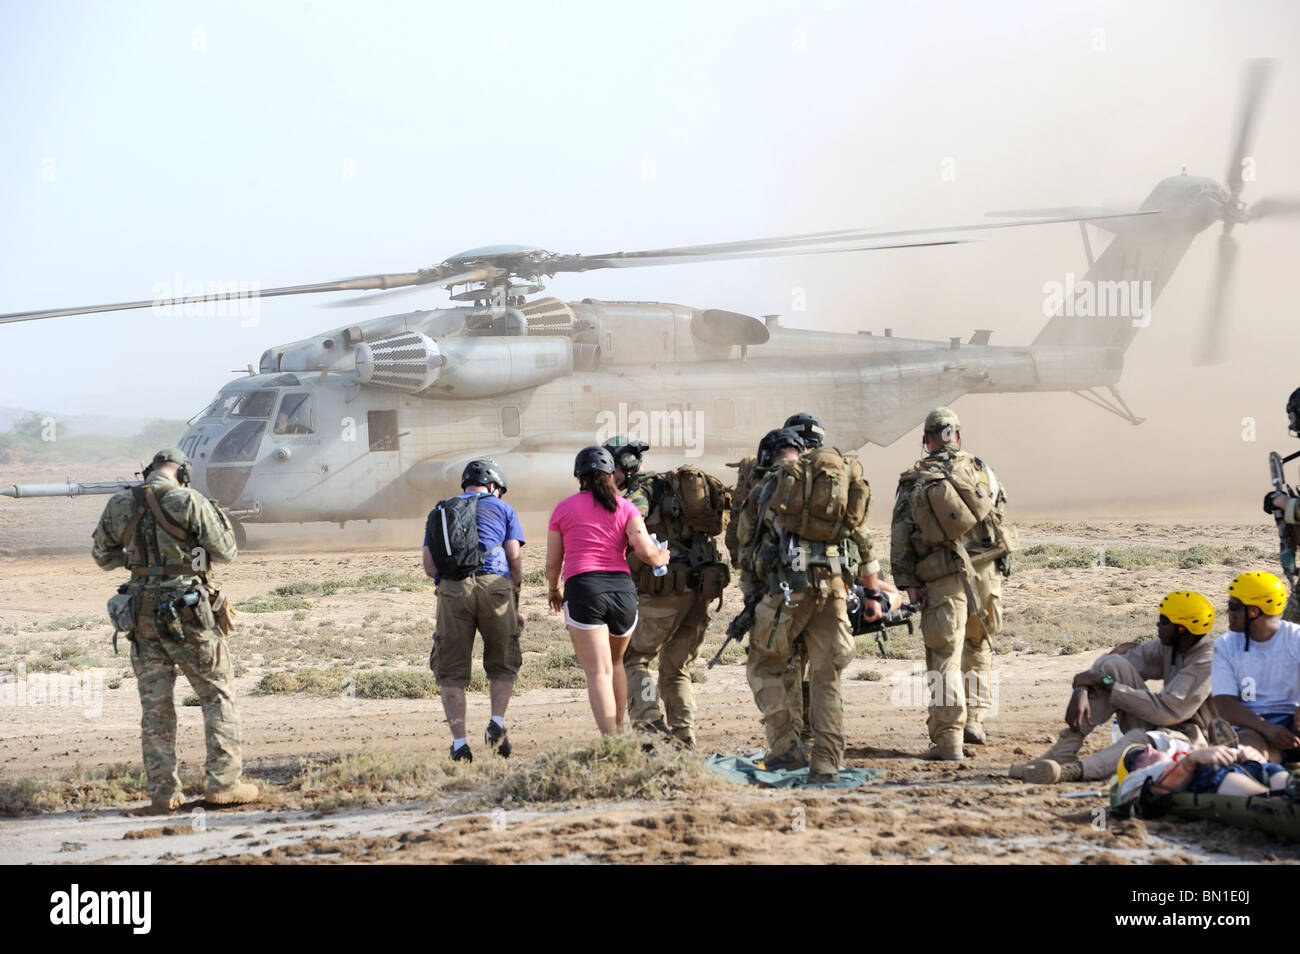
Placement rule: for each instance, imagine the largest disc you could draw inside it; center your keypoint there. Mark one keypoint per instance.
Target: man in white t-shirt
(1255, 677)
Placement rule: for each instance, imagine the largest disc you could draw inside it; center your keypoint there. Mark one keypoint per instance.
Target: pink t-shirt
(594, 539)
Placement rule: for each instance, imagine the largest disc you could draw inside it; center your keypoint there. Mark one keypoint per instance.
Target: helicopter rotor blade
(585, 263)
(1280, 207)
(1258, 72)
(348, 284)
(1214, 325)
(471, 275)
(855, 235)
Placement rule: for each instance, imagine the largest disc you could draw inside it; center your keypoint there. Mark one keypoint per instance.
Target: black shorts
(601, 599)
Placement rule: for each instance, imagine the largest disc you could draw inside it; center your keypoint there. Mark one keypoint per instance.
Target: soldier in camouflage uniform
(165, 534)
(814, 609)
(962, 603)
(669, 625)
(1289, 507)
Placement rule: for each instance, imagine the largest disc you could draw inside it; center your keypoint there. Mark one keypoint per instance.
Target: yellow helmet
(1260, 589)
(1121, 772)
(1188, 609)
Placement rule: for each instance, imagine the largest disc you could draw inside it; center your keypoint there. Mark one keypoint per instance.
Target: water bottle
(1115, 733)
(662, 545)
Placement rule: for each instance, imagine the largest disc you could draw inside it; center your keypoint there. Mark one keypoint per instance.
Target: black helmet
(483, 472)
(1293, 412)
(776, 440)
(808, 427)
(593, 460)
(626, 453)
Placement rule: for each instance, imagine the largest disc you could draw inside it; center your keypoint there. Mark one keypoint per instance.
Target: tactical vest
(688, 510)
(159, 556)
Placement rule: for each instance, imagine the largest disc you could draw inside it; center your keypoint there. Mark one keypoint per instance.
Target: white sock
(501, 723)
(457, 743)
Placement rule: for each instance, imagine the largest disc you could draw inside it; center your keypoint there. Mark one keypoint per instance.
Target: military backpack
(820, 496)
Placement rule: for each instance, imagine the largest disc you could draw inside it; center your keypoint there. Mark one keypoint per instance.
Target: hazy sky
(295, 142)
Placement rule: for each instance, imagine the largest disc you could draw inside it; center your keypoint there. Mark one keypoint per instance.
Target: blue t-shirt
(497, 523)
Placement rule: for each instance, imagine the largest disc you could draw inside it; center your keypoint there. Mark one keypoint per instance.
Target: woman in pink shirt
(588, 536)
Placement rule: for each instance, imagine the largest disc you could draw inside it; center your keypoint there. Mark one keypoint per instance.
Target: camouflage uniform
(818, 613)
(1291, 520)
(164, 567)
(795, 678)
(671, 626)
(957, 645)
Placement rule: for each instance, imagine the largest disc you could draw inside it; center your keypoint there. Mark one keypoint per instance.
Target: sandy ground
(913, 812)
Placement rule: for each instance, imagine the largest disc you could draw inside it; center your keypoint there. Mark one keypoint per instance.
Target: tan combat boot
(159, 806)
(236, 794)
(793, 758)
(974, 734)
(1048, 772)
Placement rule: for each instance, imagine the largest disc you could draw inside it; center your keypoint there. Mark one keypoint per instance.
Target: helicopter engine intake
(405, 362)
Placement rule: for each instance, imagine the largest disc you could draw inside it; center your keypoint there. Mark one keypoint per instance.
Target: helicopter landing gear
(241, 535)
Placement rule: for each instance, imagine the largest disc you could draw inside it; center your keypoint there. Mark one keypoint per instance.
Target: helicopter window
(295, 415)
(724, 413)
(382, 428)
(510, 422)
(242, 404)
(241, 443)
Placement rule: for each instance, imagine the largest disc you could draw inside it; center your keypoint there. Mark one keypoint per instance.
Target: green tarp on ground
(747, 771)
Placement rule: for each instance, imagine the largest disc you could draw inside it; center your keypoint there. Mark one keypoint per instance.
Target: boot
(974, 734)
(237, 794)
(945, 753)
(1048, 772)
(159, 806)
(793, 758)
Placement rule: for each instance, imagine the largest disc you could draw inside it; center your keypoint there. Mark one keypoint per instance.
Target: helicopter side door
(295, 445)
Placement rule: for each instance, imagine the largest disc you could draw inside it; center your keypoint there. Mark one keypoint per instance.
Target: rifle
(857, 603)
(739, 626)
(1286, 542)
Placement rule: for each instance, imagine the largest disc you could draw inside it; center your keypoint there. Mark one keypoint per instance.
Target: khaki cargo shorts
(486, 603)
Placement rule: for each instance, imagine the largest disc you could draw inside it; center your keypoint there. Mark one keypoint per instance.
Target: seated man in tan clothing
(1116, 686)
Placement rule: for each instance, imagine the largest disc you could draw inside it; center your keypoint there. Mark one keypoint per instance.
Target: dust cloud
(1050, 121)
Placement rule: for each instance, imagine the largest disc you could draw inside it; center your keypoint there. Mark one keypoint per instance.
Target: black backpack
(452, 531)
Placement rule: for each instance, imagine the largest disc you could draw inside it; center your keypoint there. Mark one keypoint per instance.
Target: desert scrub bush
(316, 682)
(272, 603)
(610, 767)
(397, 684)
(84, 789)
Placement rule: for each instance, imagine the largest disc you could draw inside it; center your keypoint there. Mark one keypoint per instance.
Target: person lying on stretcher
(1219, 769)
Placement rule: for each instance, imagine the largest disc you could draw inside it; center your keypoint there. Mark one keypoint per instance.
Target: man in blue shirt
(485, 600)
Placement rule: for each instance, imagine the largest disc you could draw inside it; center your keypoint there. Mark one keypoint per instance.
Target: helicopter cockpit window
(294, 416)
(240, 444)
(242, 404)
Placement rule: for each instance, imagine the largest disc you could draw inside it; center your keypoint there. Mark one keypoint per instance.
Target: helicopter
(376, 420)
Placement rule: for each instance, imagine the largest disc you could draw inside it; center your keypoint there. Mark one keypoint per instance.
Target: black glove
(1268, 503)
